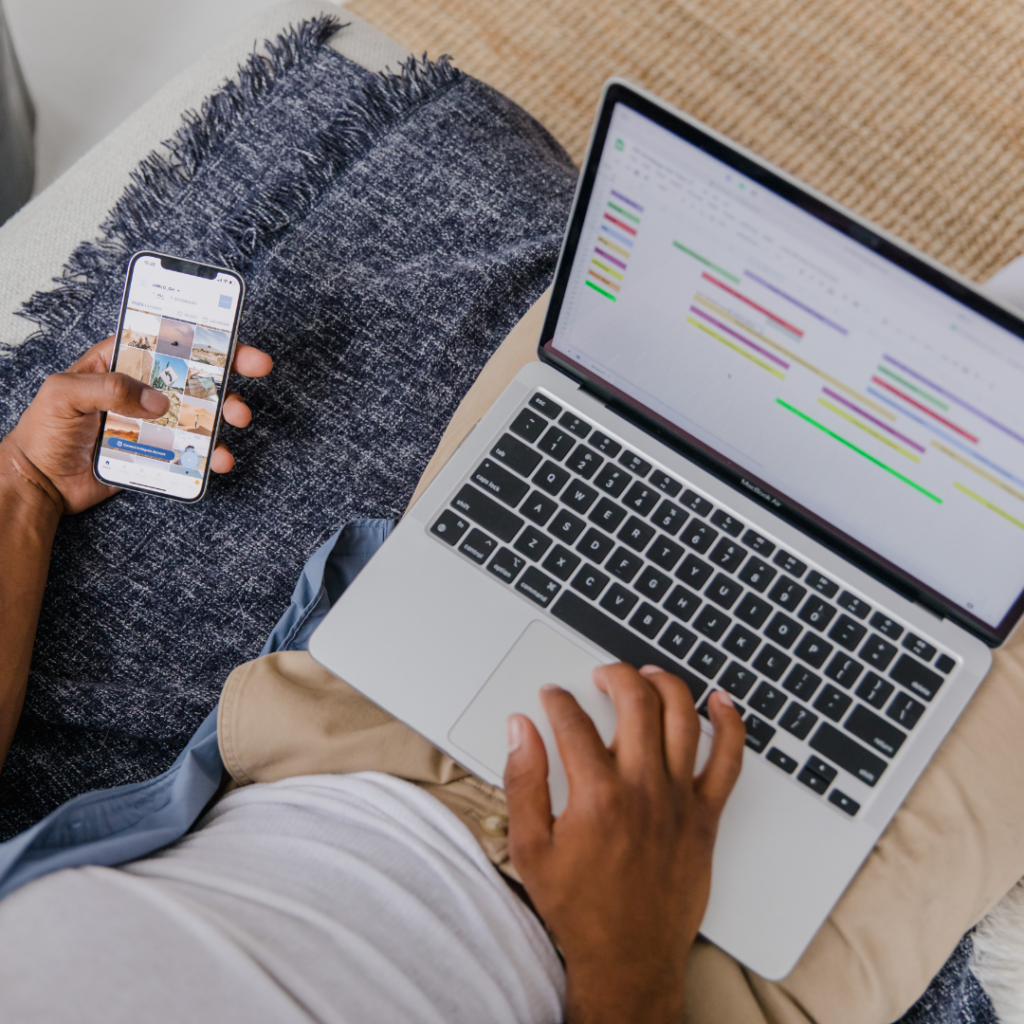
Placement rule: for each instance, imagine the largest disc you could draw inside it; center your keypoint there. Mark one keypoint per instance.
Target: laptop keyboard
(654, 572)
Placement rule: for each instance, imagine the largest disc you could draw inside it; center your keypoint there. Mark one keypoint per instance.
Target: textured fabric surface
(391, 230)
(910, 111)
(955, 996)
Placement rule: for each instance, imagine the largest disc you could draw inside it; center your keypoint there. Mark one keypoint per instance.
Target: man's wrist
(23, 486)
(601, 999)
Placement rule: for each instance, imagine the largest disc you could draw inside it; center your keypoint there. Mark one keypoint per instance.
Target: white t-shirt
(335, 898)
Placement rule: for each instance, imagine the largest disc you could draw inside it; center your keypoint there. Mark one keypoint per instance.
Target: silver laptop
(766, 446)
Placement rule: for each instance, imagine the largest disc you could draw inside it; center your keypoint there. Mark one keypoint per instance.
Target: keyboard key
(694, 571)
(449, 527)
(833, 703)
(636, 533)
(602, 630)
(612, 479)
(798, 721)
(561, 562)
(634, 463)
(486, 512)
(699, 536)
(813, 650)
(801, 682)
(669, 517)
(757, 543)
(727, 523)
(759, 733)
(605, 445)
(737, 680)
(566, 527)
(532, 543)
(640, 498)
(695, 503)
(757, 574)
(822, 584)
(753, 610)
(653, 584)
(847, 632)
(579, 497)
(574, 424)
(506, 565)
(905, 710)
(854, 605)
(921, 648)
(768, 701)
(847, 753)
(648, 620)
(789, 563)
(875, 690)
(844, 670)
(665, 552)
(595, 545)
(741, 642)
(893, 630)
(538, 508)
(728, 554)
(682, 603)
(821, 768)
(584, 461)
(877, 652)
(916, 677)
(589, 582)
(944, 663)
(874, 731)
(812, 780)
(551, 478)
(707, 660)
(723, 591)
(772, 662)
(624, 564)
(556, 443)
(619, 601)
(529, 425)
(817, 612)
(538, 587)
(545, 405)
(478, 546)
(787, 593)
(518, 456)
(677, 640)
(783, 630)
(843, 802)
(665, 483)
(607, 515)
(781, 760)
(711, 622)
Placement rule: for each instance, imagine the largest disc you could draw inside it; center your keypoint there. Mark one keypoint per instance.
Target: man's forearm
(28, 522)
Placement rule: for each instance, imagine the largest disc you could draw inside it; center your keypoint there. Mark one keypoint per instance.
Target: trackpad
(540, 656)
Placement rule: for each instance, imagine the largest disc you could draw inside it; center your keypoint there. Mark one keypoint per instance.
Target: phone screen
(176, 333)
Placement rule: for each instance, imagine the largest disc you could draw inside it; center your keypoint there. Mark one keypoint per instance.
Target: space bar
(617, 640)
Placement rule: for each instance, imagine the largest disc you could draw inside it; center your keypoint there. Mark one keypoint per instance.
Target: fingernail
(724, 698)
(153, 401)
(649, 670)
(551, 688)
(515, 733)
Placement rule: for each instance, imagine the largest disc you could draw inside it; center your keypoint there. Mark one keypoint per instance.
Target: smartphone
(177, 333)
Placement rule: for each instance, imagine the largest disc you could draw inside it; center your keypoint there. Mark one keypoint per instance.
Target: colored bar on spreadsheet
(624, 253)
(877, 423)
(984, 474)
(860, 451)
(913, 387)
(620, 223)
(607, 270)
(988, 504)
(738, 337)
(924, 409)
(603, 254)
(728, 344)
(600, 291)
(753, 305)
(624, 213)
(629, 202)
(707, 263)
(796, 302)
(854, 422)
(604, 280)
(618, 236)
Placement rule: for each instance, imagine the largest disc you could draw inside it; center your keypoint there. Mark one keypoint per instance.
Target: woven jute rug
(909, 111)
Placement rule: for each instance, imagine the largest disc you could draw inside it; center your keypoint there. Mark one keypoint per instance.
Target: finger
(222, 461)
(680, 725)
(582, 750)
(236, 412)
(96, 359)
(638, 746)
(84, 393)
(252, 362)
(526, 790)
(715, 783)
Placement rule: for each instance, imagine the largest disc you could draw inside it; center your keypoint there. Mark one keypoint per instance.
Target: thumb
(84, 393)
(526, 790)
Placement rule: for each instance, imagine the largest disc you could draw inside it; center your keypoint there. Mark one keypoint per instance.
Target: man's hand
(50, 451)
(622, 876)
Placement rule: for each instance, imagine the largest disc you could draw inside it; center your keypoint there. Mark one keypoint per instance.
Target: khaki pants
(954, 848)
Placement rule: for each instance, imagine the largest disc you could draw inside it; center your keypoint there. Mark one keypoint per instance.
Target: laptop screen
(791, 346)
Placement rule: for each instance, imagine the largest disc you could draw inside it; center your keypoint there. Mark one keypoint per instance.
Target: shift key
(486, 512)
(847, 753)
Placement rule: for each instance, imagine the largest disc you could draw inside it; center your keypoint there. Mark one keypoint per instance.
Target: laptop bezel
(854, 227)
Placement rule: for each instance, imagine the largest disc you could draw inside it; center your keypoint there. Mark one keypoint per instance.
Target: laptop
(768, 447)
